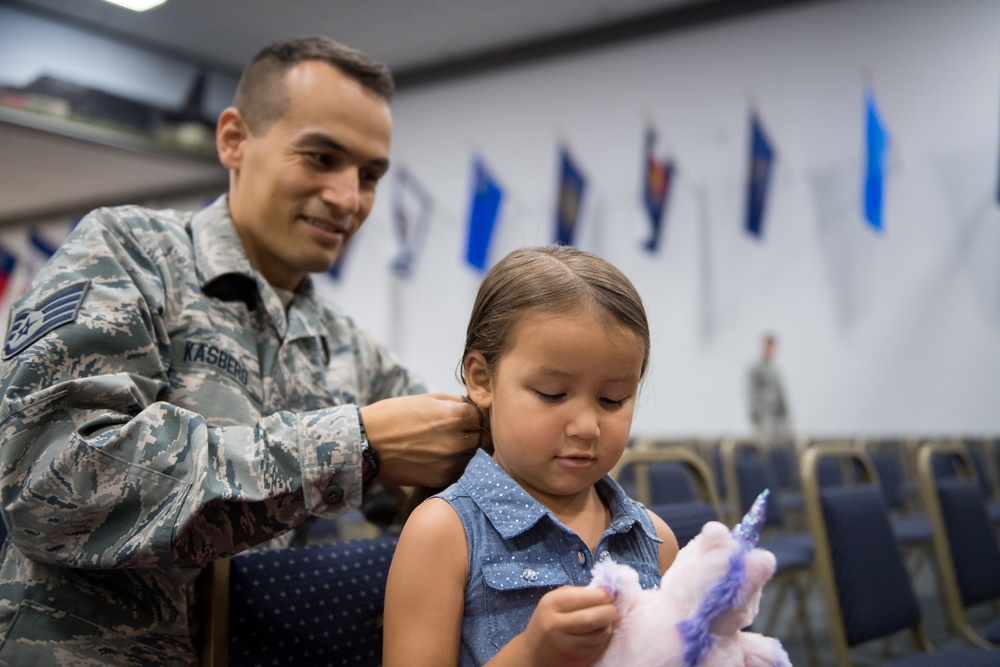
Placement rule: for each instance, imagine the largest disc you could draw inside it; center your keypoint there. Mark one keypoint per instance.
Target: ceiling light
(137, 5)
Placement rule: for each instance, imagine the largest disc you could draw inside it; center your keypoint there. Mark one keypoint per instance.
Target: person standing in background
(768, 406)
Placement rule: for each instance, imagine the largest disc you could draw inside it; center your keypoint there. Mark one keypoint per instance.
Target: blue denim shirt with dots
(519, 550)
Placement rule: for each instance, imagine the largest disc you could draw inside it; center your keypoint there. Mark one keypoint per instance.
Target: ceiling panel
(403, 34)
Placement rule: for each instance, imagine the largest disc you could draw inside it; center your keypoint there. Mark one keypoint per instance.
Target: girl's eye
(610, 402)
(549, 397)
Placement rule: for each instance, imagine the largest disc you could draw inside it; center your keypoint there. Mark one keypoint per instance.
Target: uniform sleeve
(98, 471)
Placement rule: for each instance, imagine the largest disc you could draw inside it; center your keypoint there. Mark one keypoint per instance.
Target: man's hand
(424, 440)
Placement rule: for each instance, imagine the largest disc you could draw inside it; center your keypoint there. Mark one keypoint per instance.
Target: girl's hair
(551, 279)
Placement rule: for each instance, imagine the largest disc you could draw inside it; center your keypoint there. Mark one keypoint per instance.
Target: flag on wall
(8, 261)
(411, 216)
(486, 198)
(572, 184)
(877, 146)
(761, 162)
(656, 190)
(42, 245)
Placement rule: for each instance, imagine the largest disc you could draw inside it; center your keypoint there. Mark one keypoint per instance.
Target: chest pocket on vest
(513, 589)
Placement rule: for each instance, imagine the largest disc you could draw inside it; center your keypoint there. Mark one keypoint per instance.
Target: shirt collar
(224, 268)
(512, 511)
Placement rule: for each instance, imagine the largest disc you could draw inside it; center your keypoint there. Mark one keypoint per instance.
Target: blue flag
(486, 199)
(571, 186)
(411, 215)
(761, 162)
(877, 147)
(41, 244)
(656, 189)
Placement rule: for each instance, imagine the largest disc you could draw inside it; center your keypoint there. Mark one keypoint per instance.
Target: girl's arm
(425, 591)
(669, 548)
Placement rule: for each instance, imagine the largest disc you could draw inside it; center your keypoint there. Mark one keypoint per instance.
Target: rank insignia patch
(30, 325)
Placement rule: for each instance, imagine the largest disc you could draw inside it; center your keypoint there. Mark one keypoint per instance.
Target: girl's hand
(570, 627)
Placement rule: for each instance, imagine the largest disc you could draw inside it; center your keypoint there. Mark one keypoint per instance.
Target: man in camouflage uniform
(768, 409)
(174, 392)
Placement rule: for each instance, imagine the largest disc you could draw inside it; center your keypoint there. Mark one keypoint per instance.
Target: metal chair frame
(947, 574)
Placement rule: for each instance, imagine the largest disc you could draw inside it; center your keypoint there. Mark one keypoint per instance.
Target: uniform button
(333, 494)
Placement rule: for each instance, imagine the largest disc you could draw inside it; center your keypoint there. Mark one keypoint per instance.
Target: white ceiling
(403, 33)
(42, 173)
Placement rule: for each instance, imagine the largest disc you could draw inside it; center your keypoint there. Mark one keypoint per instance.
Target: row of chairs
(322, 604)
(856, 537)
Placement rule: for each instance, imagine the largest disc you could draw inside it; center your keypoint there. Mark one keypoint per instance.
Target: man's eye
(323, 160)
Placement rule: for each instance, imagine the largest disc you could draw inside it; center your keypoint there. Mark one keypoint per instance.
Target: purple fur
(723, 596)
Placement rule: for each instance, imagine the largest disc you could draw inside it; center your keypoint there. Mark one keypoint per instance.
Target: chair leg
(812, 647)
(800, 622)
(772, 618)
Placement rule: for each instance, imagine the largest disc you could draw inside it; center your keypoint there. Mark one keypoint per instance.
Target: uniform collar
(512, 511)
(224, 270)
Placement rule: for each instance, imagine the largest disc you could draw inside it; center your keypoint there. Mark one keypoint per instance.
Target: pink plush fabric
(695, 618)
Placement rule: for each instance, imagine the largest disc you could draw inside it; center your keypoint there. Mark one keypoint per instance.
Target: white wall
(891, 333)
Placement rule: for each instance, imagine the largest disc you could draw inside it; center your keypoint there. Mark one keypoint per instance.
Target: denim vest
(518, 551)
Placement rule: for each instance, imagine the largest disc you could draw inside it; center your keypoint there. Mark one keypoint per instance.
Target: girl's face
(561, 400)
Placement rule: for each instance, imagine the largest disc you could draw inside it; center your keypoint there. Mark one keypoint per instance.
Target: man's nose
(342, 190)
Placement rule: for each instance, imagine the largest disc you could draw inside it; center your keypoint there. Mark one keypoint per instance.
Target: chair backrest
(686, 519)
(784, 463)
(862, 574)
(890, 477)
(670, 482)
(977, 449)
(317, 605)
(747, 474)
(966, 549)
(651, 466)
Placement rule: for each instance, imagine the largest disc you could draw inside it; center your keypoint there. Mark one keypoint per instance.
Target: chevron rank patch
(30, 325)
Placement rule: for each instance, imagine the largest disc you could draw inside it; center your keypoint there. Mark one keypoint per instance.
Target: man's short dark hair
(261, 96)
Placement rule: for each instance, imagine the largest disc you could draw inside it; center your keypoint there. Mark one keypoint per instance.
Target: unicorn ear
(748, 530)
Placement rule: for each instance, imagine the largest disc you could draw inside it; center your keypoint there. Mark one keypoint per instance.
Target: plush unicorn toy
(695, 618)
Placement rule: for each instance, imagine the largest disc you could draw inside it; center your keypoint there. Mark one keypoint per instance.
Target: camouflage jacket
(768, 410)
(161, 410)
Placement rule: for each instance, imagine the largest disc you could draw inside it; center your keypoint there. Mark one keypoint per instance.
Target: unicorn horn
(749, 528)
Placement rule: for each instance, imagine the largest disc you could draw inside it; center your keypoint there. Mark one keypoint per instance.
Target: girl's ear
(477, 379)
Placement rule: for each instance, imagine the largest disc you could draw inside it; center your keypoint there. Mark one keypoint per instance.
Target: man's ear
(230, 134)
(477, 379)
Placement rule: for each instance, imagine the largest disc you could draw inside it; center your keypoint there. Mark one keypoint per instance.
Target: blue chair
(979, 450)
(747, 475)
(670, 482)
(863, 578)
(676, 484)
(311, 605)
(968, 555)
(911, 526)
(686, 518)
(784, 464)
(661, 472)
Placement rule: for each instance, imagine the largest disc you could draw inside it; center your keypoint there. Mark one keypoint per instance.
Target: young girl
(492, 570)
